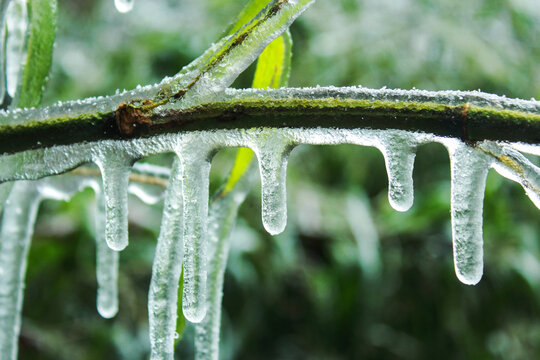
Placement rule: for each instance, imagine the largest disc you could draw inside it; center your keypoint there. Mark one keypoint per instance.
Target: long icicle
(106, 263)
(469, 170)
(166, 270)
(222, 218)
(196, 166)
(17, 228)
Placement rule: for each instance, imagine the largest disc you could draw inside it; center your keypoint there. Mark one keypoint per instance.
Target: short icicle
(15, 237)
(196, 167)
(106, 264)
(272, 152)
(469, 170)
(166, 270)
(115, 168)
(399, 153)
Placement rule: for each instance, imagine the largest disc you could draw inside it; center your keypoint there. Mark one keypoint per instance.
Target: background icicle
(166, 270)
(18, 221)
(222, 218)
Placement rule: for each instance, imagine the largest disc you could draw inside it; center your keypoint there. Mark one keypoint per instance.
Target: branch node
(129, 118)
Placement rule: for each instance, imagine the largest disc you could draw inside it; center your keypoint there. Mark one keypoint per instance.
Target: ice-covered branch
(469, 116)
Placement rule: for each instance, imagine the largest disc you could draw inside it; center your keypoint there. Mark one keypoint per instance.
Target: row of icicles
(183, 240)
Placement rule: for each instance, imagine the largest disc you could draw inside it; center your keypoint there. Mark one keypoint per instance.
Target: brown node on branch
(130, 118)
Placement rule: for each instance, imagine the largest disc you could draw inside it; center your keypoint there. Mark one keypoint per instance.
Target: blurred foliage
(307, 293)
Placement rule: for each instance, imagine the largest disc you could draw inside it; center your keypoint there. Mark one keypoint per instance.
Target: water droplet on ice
(123, 6)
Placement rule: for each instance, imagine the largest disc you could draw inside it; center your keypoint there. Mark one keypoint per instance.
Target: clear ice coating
(469, 169)
(166, 270)
(115, 168)
(272, 151)
(124, 6)
(196, 172)
(16, 25)
(399, 152)
(218, 73)
(516, 167)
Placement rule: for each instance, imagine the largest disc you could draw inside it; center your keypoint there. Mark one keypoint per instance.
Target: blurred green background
(350, 278)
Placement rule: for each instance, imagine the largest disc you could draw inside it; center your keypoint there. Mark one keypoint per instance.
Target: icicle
(166, 270)
(106, 264)
(222, 217)
(124, 6)
(272, 152)
(399, 152)
(16, 24)
(196, 168)
(62, 188)
(469, 170)
(207, 331)
(115, 168)
(15, 237)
